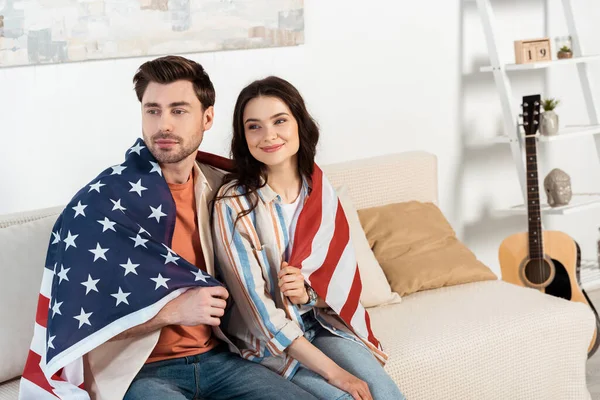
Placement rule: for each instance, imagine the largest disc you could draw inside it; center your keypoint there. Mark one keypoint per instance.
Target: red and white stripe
(324, 252)
(67, 382)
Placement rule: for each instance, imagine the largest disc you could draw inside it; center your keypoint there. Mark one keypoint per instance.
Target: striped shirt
(261, 322)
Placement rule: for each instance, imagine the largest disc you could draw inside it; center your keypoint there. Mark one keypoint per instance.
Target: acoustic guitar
(549, 261)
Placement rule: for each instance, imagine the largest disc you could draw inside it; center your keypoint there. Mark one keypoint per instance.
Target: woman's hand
(347, 382)
(291, 284)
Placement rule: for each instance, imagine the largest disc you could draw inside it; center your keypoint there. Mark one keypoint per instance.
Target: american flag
(109, 267)
(324, 252)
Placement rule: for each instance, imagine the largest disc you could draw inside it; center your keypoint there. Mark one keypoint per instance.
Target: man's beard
(173, 156)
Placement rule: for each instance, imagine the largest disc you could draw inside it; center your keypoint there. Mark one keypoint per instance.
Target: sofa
(478, 340)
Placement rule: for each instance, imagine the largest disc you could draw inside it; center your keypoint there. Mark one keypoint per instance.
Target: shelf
(579, 202)
(571, 131)
(567, 132)
(544, 64)
(482, 143)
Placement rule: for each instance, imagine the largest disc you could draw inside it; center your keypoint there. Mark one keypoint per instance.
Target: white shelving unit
(589, 275)
(501, 70)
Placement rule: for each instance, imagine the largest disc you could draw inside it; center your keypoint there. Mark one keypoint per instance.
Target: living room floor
(593, 365)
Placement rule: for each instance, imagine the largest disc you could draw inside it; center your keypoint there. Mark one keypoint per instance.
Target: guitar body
(557, 274)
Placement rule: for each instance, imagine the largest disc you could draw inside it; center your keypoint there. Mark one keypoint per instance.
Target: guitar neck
(536, 249)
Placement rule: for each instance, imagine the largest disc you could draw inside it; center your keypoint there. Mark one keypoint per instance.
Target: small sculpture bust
(557, 185)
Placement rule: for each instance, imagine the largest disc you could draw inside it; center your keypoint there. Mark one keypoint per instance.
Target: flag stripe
(341, 236)
(32, 390)
(47, 278)
(41, 315)
(352, 302)
(34, 373)
(38, 343)
(372, 337)
(306, 228)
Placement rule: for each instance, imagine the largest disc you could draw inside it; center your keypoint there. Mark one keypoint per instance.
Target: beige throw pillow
(418, 249)
(376, 290)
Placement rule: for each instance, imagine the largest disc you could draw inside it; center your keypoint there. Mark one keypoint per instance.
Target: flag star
(54, 270)
(107, 224)
(142, 230)
(56, 237)
(117, 169)
(130, 267)
(62, 275)
(137, 148)
(170, 258)
(160, 281)
(137, 187)
(155, 168)
(90, 284)
(121, 297)
(79, 209)
(70, 240)
(99, 252)
(56, 308)
(117, 205)
(50, 342)
(139, 241)
(199, 276)
(96, 186)
(157, 213)
(83, 318)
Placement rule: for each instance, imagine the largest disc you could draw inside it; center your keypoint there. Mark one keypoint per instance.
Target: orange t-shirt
(175, 340)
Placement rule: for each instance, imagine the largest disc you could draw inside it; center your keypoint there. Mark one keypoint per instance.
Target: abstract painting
(34, 32)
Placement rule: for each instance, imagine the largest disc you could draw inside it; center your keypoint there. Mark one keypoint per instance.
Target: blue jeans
(217, 374)
(350, 356)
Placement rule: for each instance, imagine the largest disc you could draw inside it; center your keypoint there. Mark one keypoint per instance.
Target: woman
(283, 249)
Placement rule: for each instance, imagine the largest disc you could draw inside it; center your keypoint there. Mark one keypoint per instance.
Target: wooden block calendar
(532, 50)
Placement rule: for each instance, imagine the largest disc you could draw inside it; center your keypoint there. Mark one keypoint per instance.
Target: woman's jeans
(352, 357)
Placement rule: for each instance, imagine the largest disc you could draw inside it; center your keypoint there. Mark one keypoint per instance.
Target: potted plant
(549, 118)
(565, 52)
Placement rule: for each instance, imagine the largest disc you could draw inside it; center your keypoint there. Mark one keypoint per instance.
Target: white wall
(379, 76)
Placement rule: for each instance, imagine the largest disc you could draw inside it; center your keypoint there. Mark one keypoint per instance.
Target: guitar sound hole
(538, 271)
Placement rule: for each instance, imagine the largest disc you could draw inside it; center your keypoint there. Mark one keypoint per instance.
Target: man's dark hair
(170, 69)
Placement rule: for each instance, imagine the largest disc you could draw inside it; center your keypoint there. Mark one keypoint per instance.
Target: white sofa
(485, 340)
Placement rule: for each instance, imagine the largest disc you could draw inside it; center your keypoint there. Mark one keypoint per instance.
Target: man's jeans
(217, 374)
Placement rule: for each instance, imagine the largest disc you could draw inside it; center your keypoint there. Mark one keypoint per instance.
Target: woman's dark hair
(250, 174)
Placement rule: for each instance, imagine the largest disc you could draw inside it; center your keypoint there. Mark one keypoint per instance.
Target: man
(133, 311)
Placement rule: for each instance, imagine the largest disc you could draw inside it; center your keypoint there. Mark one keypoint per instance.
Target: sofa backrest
(392, 178)
(24, 239)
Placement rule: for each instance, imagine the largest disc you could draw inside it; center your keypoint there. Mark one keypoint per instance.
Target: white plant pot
(549, 123)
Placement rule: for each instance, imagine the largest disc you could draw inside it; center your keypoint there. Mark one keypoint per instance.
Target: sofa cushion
(486, 340)
(9, 390)
(418, 249)
(376, 290)
(22, 256)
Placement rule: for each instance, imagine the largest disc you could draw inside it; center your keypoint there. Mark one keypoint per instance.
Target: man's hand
(291, 284)
(197, 306)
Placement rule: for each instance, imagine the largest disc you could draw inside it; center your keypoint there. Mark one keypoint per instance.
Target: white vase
(549, 123)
